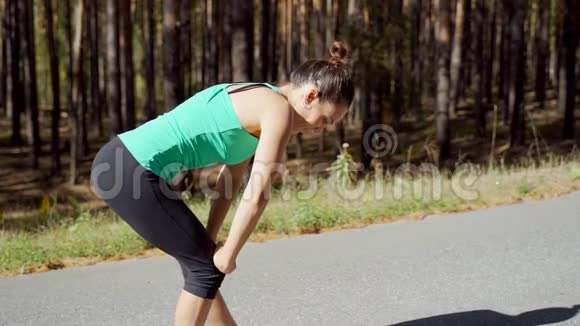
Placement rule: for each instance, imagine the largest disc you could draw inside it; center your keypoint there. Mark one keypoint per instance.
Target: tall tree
(127, 69)
(95, 103)
(223, 18)
(517, 15)
(82, 76)
(74, 78)
(274, 54)
(413, 12)
(172, 88)
(542, 23)
(567, 87)
(266, 24)
(456, 56)
(185, 52)
(114, 66)
(3, 62)
(489, 50)
(149, 58)
(210, 62)
(441, 8)
(304, 28)
(504, 67)
(318, 13)
(243, 41)
(477, 73)
(14, 100)
(30, 89)
(427, 48)
(283, 72)
(397, 99)
(467, 53)
(555, 10)
(55, 80)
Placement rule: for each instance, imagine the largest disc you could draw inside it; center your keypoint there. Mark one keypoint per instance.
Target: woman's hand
(222, 260)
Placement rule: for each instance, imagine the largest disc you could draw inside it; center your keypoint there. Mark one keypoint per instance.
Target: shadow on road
(494, 318)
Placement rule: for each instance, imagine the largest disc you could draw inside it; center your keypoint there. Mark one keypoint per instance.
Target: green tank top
(202, 131)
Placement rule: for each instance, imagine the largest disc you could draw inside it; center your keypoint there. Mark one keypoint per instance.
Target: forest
(455, 80)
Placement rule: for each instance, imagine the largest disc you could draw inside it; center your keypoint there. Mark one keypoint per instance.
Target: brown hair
(331, 76)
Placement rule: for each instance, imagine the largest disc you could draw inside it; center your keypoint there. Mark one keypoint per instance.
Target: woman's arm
(268, 160)
(227, 187)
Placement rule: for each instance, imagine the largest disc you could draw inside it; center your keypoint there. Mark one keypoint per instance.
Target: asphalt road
(515, 265)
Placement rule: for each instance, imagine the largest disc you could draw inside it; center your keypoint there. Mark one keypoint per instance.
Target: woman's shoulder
(275, 109)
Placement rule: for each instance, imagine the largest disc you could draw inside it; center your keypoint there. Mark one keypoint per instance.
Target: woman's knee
(203, 281)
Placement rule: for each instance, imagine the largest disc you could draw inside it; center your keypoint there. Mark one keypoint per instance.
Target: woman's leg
(144, 201)
(219, 313)
(191, 310)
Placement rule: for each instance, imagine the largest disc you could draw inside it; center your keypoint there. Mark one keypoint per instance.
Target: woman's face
(316, 114)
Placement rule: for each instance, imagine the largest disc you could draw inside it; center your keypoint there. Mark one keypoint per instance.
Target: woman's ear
(311, 95)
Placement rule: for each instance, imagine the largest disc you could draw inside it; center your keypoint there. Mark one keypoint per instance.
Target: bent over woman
(227, 124)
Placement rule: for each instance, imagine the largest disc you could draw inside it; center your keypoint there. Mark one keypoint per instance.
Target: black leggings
(158, 214)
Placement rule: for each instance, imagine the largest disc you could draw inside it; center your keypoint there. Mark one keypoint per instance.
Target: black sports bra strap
(247, 87)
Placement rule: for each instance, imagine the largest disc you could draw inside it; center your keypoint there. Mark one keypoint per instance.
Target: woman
(134, 172)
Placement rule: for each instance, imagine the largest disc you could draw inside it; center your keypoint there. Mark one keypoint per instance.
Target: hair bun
(338, 52)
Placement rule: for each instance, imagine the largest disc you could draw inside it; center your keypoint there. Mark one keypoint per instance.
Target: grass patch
(101, 238)
(60, 235)
(525, 188)
(575, 174)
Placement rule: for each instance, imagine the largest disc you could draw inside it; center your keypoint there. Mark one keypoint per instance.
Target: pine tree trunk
(456, 56)
(96, 106)
(171, 50)
(441, 8)
(15, 99)
(290, 37)
(567, 94)
(127, 69)
(318, 14)
(114, 66)
(541, 49)
(243, 41)
(517, 10)
(477, 73)
(504, 82)
(398, 68)
(55, 80)
(554, 38)
(224, 45)
(304, 27)
(210, 56)
(74, 81)
(83, 89)
(4, 62)
(466, 54)
(411, 13)
(30, 87)
(149, 27)
(489, 52)
(283, 72)
(204, 42)
(185, 43)
(265, 39)
(427, 52)
(274, 46)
